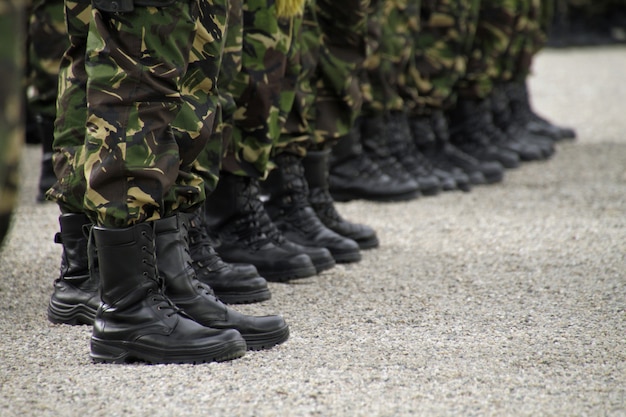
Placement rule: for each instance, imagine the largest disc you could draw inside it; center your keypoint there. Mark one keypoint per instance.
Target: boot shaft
(315, 165)
(286, 185)
(127, 264)
(74, 228)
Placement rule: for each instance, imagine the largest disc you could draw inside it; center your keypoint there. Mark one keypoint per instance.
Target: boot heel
(102, 352)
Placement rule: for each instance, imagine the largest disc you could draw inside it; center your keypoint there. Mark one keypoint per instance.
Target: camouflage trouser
(393, 29)
(11, 117)
(441, 50)
(328, 97)
(529, 37)
(209, 161)
(264, 88)
(192, 124)
(46, 43)
(69, 134)
(135, 168)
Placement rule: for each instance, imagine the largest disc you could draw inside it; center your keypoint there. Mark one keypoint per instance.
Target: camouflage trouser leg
(69, 135)
(11, 117)
(200, 112)
(441, 51)
(46, 43)
(209, 162)
(267, 42)
(328, 96)
(396, 23)
(529, 38)
(496, 25)
(135, 169)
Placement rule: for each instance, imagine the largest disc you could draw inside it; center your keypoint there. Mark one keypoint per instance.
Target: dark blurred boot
(47, 178)
(467, 121)
(375, 141)
(197, 300)
(233, 213)
(232, 283)
(76, 296)
(288, 207)
(402, 147)
(315, 165)
(353, 175)
(479, 172)
(136, 321)
(522, 113)
(503, 119)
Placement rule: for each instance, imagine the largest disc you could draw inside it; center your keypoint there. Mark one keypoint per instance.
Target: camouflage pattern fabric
(393, 27)
(263, 90)
(328, 97)
(442, 46)
(135, 169)
(11, 99)
(46, 43)
(69, 134)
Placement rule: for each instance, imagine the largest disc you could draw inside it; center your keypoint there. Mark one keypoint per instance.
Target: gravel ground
(509, 300)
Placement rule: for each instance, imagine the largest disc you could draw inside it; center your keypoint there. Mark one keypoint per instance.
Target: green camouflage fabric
(264, 88)
(11, 99)
(200, 114)
(393, 27)
(69, 130)
(46, 43)
(134, 167)
(328, 96)
(209, 162)
(447, 30)
(495, 27)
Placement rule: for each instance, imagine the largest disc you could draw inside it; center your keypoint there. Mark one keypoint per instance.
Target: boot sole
(71, 314)
(262, 341)
(369, 243)
(344, 196)
(347, 257)
(244, 297)
(121, 352)
(284, 276)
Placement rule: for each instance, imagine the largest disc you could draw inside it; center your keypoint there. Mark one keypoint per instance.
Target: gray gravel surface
(509, 300)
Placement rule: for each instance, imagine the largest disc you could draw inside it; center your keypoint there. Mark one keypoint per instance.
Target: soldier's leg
(11, 117)
(234, 210)
(47, 41)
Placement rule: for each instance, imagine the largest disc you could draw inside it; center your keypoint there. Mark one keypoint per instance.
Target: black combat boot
(375, 140)
(353, 175)
(232, 283)
(469, 130)
(136, 321)
(503, 119)
(490, 171)
(288, 207)
(431, 180)
(47, 178)
(522, 113)
(232, 213)
(76, 297)
(197, 300)
(315, 165)
(425, 141)
(321, 257)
